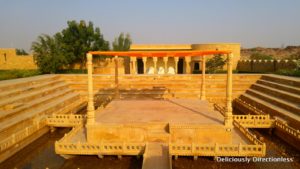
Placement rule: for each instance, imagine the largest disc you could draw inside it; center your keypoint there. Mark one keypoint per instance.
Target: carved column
(155, 64)
(116, 78)
(187, 65)
(165, 59)
(203, 85)
(90, 107)
(145, 64)
(176, 59)
(133, 63)
(228, 113)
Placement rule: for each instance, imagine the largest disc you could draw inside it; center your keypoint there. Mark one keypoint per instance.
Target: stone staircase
(24, 105)
(276, 95)
(165, 86)
(156, 156)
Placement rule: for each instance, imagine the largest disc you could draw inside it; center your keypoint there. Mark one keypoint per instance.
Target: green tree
(215, 63)
(47, 53)
(122, 43)
(67, 47)
(79, 38)
(21, 52)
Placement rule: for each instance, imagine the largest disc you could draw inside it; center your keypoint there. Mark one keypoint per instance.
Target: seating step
(292, 107)
(29, 88)
(272, 109)
(287, 88)
(32, 95)
(28, 81)
(45, 109)
(36, 103)
(285, 80)
(294, 98)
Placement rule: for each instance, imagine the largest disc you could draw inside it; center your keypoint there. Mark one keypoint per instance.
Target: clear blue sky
(267, 23)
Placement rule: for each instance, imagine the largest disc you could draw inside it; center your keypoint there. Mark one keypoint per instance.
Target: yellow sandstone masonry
(10, 60)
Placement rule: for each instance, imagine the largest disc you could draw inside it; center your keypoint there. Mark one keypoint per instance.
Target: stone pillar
(228, 113)
(165, 59)
(187, 64)
(155, 64)
(117, 95)
(203, 87)
(133, 64)
(145, 64)
(90, 107)
(176, 59)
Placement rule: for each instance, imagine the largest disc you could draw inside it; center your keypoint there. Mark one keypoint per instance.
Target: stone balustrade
(176, 149)
(66, 120)
(254, 121)
(64, 146)
(288, 129)
(247, 133)
(21, 134)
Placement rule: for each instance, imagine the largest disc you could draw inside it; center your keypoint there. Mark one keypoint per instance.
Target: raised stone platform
(158, 120)
(188, 126)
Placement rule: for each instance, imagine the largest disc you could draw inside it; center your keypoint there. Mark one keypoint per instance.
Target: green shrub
(13, 74)
(72, 71)
(289, 72)
(260, 56)
(295, 56)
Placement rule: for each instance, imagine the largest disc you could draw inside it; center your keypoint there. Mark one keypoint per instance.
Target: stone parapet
(265, 65)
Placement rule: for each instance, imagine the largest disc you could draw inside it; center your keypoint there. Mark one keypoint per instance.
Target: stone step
(6, 85)
(177, 76)
(273, 110)
(292, 107)
(147, 83)
(156, 156)
(47, 108)
(29, 88)
(70, 106)
(33, 104)
(171, 87)
(32, 95)
(158, 136)
(287, 88)
(158, 126)
(290, 81)
(294, 98)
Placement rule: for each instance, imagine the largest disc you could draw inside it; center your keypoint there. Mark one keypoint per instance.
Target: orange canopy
(160, 53)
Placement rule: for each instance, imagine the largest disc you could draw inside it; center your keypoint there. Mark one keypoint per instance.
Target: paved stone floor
(169, 111)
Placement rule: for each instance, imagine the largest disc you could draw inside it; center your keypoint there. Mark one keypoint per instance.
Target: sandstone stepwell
(155, 116)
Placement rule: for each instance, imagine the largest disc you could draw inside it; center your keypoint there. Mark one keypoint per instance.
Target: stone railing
(219, 108)
(248, 134)
(66, 120)
(65, 146)
(265, 65)
(103, 148)
(285, 127)
(249, 121)
(216, 150)
(246, 107)
(21, 134)
(254, 121)
(277, 123)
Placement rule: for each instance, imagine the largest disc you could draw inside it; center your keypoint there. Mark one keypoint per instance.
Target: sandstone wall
(265, 65)
(234, 47)
(10, 60)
